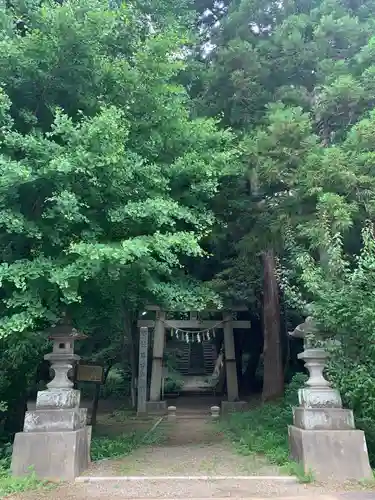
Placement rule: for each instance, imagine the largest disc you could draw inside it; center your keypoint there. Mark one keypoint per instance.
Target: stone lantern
(55, 441)
(62, 357)
(318, 391)
(323, 437)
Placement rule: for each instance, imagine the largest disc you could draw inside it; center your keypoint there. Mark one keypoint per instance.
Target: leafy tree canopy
(106, 180)
(294, 80)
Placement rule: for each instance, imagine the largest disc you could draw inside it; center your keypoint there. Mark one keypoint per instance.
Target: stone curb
(94, 479)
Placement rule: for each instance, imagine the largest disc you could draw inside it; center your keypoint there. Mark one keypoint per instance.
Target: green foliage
(173, 383)
(98, 191)
(367, 425)
(295, 81)
(10, 485)
(343, 304)
(106, 179)
(19, 357)
(292, 79)
(263, 430)
(110, 448)
(117, 190)
(117, 384)
(5, 455)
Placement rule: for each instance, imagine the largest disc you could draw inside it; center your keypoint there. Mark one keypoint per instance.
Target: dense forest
(191, 154)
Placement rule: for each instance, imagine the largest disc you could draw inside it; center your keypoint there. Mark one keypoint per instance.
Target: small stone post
(172, 413)
(323, 437)
(55, 441)
(215, 412)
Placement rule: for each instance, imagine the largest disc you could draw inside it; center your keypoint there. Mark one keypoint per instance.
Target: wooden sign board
(90, 373)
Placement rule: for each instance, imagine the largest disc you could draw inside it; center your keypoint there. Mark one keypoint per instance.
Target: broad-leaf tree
(106, 180)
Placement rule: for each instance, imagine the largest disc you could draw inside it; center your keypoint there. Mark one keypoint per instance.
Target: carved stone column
(318, 392)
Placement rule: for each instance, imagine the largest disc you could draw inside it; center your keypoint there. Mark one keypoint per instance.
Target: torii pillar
(233, 403)
(155, 405)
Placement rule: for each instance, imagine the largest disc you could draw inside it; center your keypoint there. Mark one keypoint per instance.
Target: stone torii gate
(228, 324)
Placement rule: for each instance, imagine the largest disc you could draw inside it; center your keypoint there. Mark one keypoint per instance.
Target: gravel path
(192, 447)
(191, 490)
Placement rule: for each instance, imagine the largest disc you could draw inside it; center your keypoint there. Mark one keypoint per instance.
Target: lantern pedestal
(331, 454)
(323, 438)
(51, 454)
(55, 441)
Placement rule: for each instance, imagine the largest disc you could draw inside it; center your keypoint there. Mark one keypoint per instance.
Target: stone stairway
(210, 356)
(184, 358)
(190, 360)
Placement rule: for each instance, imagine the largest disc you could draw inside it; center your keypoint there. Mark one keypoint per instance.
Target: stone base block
(319, 397)
(55, 420)
(156, 407)
(51, 455)
(339, 455)
(232, 406)
(311, 419)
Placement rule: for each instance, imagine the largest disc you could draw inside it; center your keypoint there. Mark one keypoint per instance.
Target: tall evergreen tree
(291, 78)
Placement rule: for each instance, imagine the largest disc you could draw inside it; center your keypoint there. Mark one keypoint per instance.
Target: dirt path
(198, 490)
(192, 446)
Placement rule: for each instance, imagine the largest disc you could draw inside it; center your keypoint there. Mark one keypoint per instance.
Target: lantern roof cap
(64, 330)
(308, 327)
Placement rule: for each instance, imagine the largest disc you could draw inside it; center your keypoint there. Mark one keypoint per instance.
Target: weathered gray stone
(323, 418)
(89, 435)
(55, 443)
(83, 416)
(58, 398)
(232, 406)
(172, 413)
(319, 397)
(142, 371)
(215, 412)
(331, 454)
(51, 455)
(318, 391)
(53, 420)
(156, 407)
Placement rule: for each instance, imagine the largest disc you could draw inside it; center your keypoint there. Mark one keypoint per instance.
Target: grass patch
(261, 431)
(9, 484)
(264, 431)
(111, 447)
